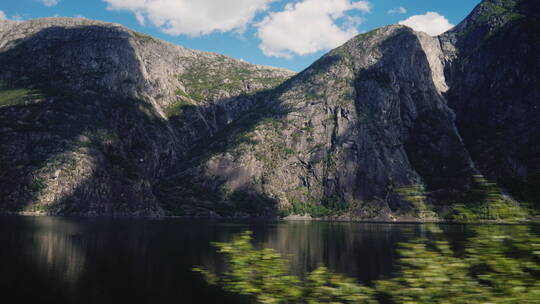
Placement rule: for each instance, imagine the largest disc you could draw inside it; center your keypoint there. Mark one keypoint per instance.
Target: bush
(486, 202)
(328, 207)
(416, 196)
(496, 267)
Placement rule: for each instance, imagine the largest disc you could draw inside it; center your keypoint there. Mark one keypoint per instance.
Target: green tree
(259, 273)
(416, 195)
(431, 275)
(264, 275)
(508, 263)
(486, 202)
(324, 286)
(497, 266)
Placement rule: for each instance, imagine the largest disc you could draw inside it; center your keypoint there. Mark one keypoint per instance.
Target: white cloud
(431, 23)
(140, 18)
(3, 15)
(309, 26)
(398, 10)
(50, 2)
(193, 17)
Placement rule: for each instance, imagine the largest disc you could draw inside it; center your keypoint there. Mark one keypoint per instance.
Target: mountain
(93, 113)
(99, 120)
(363, 120)
(492, 70)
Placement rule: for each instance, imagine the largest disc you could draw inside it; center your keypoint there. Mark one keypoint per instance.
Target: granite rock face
(93, 113)
(366, 119)
(493, 71)
(98, 119)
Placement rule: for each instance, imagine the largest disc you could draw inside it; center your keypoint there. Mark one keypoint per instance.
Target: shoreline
(290, 218)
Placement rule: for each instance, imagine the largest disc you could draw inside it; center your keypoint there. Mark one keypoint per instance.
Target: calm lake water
(73, 260)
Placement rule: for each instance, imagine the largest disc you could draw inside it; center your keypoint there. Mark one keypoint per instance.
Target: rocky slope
(93, 113)
(98, 119)
(493, 70)
(366, 119)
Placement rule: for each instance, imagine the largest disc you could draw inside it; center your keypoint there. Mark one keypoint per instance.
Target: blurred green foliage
(324, 286)
(416, 196)
(259, 273)
(264, 274)
(497, 266)
(486, 202)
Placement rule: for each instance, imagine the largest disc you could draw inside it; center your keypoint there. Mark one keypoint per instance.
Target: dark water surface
(73, 260)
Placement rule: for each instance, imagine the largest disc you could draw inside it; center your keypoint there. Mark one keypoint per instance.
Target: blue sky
(283, 33)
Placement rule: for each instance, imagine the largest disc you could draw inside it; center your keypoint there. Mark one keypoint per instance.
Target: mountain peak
(490, 15)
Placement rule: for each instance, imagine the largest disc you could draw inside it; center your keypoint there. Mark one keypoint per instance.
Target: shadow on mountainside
(408, 134)
(418, 120)
(415, 130)
(188, 190)
(85, 146)
(495, 93)
(88, 145)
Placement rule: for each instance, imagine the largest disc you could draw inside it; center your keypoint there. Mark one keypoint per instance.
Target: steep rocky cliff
(98, 119)
(493, 71)
(363, 121)
(93, 113)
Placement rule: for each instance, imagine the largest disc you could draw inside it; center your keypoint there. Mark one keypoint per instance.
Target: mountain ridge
(163, 130)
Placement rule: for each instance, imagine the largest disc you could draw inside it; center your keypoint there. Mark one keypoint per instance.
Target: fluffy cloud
(193, 17)
(50, 2)
(431, 23)
(398, 10)
(309, 26)
(3, 15)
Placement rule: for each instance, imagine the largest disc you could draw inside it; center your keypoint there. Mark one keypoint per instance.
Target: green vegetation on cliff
(177, 108)
(221, 77)
(502, 9)
(17, 96)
